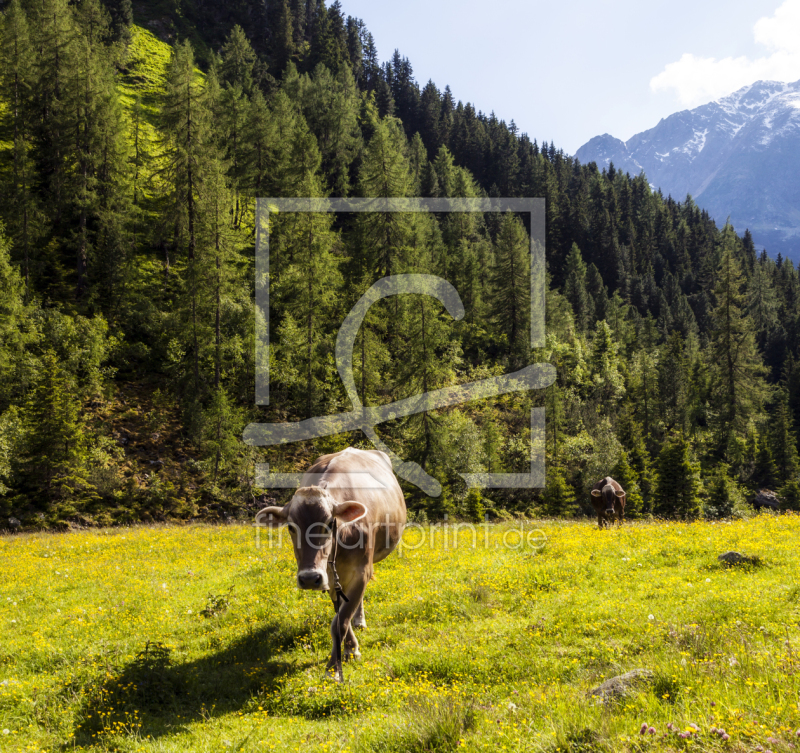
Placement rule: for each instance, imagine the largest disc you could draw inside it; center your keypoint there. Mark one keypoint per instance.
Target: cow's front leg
(600, 520)
(359, 621)
(341, 627)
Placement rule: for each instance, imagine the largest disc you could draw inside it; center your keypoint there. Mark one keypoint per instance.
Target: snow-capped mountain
(737, 157)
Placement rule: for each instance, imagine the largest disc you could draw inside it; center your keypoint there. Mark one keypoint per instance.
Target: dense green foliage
(129, 179)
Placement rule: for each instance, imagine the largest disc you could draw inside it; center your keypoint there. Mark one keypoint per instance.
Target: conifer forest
(134, 142)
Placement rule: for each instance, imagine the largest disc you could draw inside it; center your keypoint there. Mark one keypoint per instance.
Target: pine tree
(221, 429)
(737, 367)
(607, 384)
(559, 498)
(765, 473)
(673, 384)
(426, 362)
(575, 289)
(55, 460)
(53, 35)
(510, 280)
(722, 494)
(18, 329)
(283, 44)
(238, 61)
(782, 441)
(385, 237)
(789, 495)
(330, 105)
(473, 505)
(677, 492)
(96, 176)
(185, 120)
(17, 80)
(308, 290)
(121, 12)
(261, 161)
(597, 291)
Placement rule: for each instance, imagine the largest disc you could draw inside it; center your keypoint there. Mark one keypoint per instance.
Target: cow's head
(309, 516)
(609, 496)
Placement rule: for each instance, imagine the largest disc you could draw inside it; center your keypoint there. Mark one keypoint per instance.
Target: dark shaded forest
(131, 156)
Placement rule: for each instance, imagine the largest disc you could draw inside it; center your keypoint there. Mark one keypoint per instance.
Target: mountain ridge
(738, 157)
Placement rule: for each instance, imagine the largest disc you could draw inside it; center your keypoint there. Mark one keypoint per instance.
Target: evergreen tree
(597, 291)
(384, 236)
(789, 495)
(575, 289)
(238, 61)
(330, 105)
(559, 498)
(185, 115)
(54, 466)
(677, 493)
(722, 494)
(510, 279)
(427, 362)
(17, 329)
(17, 81)
(783, 442)
(473, 505)
(735, 362)
(765, 473)
(673, 383)
(121, 12)
(308, 291)
(97, 178)
(607, 384)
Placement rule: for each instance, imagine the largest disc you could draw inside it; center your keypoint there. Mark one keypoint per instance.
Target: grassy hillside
(176, 639)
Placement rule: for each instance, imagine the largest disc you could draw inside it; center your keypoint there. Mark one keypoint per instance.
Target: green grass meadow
(196, 639)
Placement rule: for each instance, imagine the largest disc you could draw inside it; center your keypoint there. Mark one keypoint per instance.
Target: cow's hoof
(360, 623)
(351, 655)
(333, 674)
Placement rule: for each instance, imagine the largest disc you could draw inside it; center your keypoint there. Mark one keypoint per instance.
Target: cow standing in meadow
(341, 523)
(608, 500)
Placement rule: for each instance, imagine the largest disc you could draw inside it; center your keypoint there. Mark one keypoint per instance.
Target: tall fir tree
(736, 363)
(677, 493)
(575, 289)
(510, 280)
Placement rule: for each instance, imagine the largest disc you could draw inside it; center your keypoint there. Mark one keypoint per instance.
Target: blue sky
(572, 70)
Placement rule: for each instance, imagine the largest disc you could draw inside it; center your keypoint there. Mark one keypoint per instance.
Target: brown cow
(608, 500)
(338, 491)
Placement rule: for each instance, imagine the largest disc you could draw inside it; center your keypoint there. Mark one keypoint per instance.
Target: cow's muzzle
(610, 512)
(312, 580)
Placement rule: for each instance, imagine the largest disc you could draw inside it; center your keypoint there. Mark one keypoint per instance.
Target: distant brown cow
(608, 500)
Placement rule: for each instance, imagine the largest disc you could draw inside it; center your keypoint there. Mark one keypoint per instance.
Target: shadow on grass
(154, 696)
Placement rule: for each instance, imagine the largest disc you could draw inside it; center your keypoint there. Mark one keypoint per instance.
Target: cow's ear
(273, 517)
(595, 493)
(619, 494)
(349, 512)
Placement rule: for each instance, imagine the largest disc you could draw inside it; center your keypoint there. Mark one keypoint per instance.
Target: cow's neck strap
(337, 586)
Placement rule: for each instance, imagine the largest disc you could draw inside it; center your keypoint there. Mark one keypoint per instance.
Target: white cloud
(696, 80)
